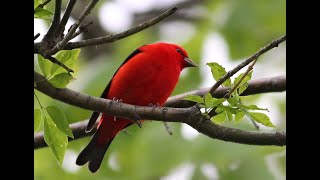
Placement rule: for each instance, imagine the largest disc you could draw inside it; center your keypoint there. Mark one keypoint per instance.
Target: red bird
(147, 76)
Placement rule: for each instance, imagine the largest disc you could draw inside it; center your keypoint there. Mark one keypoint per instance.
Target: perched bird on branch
(147, 76)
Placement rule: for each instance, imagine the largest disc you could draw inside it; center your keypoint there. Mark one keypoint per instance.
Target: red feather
(148, 75)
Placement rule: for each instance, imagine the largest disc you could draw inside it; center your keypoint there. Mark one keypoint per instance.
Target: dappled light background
(221, 31)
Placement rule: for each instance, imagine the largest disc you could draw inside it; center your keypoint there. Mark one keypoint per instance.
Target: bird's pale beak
(190, 63)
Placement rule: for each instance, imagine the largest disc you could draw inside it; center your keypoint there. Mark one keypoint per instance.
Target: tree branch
(256, 86)
(36, 36)
(55, 22)
(65, 17)
(60, 45)
(82, 28)
(191, 116)
(38, 46)
(273, 44)
(115, 37)
(54, 60)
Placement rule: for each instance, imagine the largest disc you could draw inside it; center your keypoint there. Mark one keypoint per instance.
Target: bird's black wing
(95, 114)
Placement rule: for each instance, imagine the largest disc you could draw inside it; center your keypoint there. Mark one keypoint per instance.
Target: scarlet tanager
(147, 76)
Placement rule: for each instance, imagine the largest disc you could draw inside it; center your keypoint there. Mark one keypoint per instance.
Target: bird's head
(182, 56)
(177, 52)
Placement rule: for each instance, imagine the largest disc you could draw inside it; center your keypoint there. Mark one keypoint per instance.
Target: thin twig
(43, 4)
(37, 99)
(244, 75)
(36, 36)
(82, 29)
(54, 60)
(55, 22)
(273, 44)
(65, 17)
(255, 124)
(167, 127)
(60, 45)
(115, 37)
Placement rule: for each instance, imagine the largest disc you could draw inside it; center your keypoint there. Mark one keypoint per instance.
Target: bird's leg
(136, 118)
(166, 125)
(114, 99)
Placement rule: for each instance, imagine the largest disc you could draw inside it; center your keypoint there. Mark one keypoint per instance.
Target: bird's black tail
(93, 153)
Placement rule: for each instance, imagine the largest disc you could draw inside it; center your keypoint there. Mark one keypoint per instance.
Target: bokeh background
(221, 31)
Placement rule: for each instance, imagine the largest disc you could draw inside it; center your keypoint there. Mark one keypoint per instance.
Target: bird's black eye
(179, 51)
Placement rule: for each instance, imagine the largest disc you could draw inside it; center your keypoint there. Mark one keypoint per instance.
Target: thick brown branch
(115, 37)
(239, 136)
(191, 116)
(273, 44)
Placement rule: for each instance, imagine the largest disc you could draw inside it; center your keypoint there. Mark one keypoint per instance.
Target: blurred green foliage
(149, 152)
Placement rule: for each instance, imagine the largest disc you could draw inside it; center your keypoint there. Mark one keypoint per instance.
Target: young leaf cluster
(230, 108)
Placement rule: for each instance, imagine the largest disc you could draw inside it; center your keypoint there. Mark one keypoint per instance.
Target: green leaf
(38, 117)
(245, 79)
(242, 88)
(59, 119)
(194, 98)
(229, 115)
(42, 13)
(260, 118)
(36, 3)
(233, 100)
(66, 57)
(227, 108)
(218, 72)
(220, 118)
(45, 66)
(61, 80)
(239, 116)
(209, 100)
(201, 106)
(254, 107)
(56, 140)
(251, 107)
(218, 102)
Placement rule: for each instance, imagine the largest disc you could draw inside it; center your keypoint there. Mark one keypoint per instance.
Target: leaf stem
(43, 4)
(38, 100)
(244, 75)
